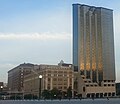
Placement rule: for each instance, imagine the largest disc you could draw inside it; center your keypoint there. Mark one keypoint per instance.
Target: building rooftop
(22, 65)
(92, 6)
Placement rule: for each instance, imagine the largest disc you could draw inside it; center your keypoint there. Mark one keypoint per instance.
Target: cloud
(46, 48)
(34, 36)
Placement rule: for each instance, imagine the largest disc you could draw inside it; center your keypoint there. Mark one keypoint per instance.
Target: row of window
(59, 79)
(104, 85)
(108, 80)
(60, 88)
(69, 71)
(66, 75)
(109, 85)
(91, 85)
(100, 94)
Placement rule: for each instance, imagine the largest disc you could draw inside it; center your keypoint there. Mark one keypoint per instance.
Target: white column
(68, 80)
(51, 80)
(72, 86)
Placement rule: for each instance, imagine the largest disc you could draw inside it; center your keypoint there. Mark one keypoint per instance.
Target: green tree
(28, 96)
(46, 94)
(69, 92)
(64, 94)
(54, 93)
(15, 97)
(80, 96)
(35, 97)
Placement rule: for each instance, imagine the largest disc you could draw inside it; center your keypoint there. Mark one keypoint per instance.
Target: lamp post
(1, 87)
(40, 77)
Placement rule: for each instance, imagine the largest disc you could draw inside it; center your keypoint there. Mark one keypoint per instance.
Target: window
(60, 72)
(59, 83)
(48, 79)
(49, 71)
(83, 89)
(55, 79)
(59, 87)
(60, 75)
(55, 74)
(49, 74)
(59, 79)
(70, 79)
(55, 71)
(65, 83)
(85, 81)
(65, 79)
(105, 85)
(65, 87)
(48, 87)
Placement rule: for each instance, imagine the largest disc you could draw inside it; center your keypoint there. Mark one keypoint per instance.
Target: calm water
(83, 101)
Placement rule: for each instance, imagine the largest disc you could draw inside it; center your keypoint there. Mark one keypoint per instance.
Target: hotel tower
(93, 50)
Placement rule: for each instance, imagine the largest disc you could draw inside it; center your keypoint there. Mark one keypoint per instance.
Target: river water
(73, 101)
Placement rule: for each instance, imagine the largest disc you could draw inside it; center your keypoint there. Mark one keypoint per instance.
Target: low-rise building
(16, 77)
(89, 89)
(53, 76)
(3, 90)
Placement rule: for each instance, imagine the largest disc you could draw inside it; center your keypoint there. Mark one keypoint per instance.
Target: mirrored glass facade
(93, 42)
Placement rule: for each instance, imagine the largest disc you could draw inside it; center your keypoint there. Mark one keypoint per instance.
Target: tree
(46, 94)
(64, 94)
(80, 96)
(15, 97)
(28, 96)
(35, 97)
(54, 93)
(69, 92)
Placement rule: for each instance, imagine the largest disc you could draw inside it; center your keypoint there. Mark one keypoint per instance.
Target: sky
(40, 32)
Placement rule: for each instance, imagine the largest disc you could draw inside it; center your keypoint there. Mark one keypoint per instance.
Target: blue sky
(40, 31)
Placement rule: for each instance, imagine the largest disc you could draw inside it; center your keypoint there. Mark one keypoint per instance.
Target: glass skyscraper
(93, 43)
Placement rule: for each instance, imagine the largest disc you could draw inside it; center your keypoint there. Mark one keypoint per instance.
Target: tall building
(93, 49)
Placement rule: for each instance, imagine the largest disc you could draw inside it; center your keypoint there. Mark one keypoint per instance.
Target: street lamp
(1, 87)
(40, 77)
